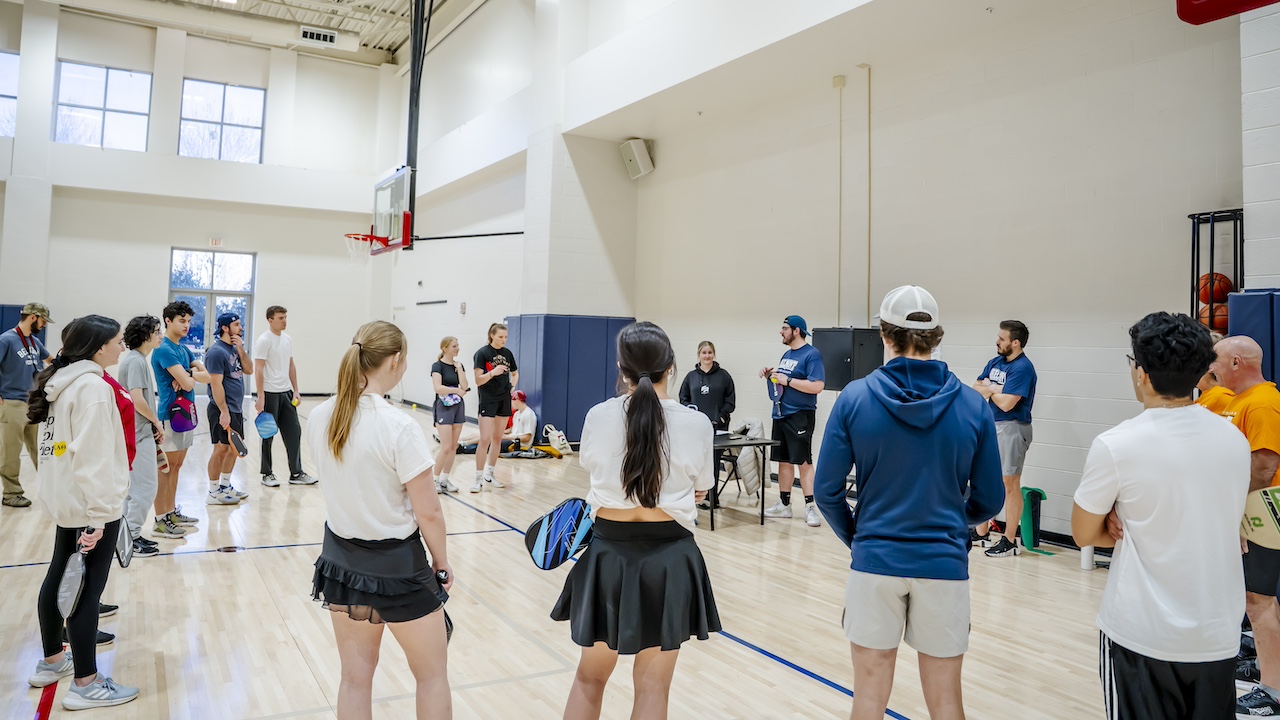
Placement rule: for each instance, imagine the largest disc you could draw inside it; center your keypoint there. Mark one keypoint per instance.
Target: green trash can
(1029, 526)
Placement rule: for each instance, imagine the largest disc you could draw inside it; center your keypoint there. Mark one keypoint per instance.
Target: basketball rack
(1234, 218)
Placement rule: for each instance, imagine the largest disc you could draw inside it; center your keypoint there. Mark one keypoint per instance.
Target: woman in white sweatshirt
(84, 477)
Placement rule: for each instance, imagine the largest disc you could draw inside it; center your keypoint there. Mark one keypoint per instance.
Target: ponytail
(373, 344)
(644, 358)
(82, 338)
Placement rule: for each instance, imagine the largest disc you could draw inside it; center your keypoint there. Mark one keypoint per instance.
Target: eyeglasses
(1133, 362)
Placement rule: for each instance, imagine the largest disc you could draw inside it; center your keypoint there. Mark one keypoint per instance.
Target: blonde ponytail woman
(449, 378)
(373, 569)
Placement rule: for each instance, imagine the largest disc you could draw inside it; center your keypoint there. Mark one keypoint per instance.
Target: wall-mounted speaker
(635, 153)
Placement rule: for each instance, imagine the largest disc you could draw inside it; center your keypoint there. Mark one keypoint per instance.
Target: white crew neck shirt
(365, 497)
(277, 350)
(689, 466)
(1178, 478)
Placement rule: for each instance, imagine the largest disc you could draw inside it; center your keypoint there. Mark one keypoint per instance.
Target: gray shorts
(931, 615)
(1013, 438)
(453, 415)
(176, 441)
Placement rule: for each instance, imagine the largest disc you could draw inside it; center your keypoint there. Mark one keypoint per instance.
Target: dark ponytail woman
(84, 476)
(641, 588)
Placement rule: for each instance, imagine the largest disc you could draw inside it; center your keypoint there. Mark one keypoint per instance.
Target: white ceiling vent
(317, 37)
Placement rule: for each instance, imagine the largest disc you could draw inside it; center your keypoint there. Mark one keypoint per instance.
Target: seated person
(524, 423)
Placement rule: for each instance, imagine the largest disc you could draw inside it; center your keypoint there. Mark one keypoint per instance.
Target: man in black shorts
(496, 373)
(802, 377)
(227, 363)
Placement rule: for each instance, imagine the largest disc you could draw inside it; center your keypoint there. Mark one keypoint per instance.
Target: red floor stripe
(46, 702)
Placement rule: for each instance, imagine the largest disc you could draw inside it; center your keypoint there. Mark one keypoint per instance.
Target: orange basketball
(1217, 283)
(1219, 317)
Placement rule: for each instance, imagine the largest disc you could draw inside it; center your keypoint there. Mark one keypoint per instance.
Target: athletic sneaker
(240, 494)
(478, 486)
(778, 511)
(179, 519)
(1247, 674)
(493, 482)
(222, 495)
(1257, 703)
(144, 550)
(105, 610)
(1248, 648)
(166, 528)
(976, 539)
(811, 517)
(302, 479)
(46, 674)
(1004, 548)
(104, 638)
(270, 480)
(102, 692)
(446, 485)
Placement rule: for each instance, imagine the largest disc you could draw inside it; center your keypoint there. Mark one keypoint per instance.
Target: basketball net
(359, 246)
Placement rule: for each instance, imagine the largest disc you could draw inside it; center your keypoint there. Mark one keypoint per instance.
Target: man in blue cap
(802, 377)
(227, 363)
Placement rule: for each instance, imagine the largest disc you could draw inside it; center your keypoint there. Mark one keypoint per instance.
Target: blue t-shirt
(19, 364)
(1019, 378)
(162, 358)
(222, 359)
(804, 363)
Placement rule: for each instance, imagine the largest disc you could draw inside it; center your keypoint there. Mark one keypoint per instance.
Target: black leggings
(82, 626)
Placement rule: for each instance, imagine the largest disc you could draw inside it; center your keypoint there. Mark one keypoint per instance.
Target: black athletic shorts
(1261, 570)
(495, 407)
(1136, 687)
(216, 433)
(795, 432)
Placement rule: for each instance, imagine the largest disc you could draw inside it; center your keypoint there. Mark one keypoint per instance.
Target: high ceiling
(381, 24)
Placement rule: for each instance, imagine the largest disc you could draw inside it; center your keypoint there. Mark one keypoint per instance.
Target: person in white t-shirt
(1170, 615)
(380, 506)
(524, 423)
(276, 378)
(649, 459)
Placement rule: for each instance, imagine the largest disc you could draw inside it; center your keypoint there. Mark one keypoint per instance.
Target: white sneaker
(439, 488)
(448, 486)
(221, 496)
(493, 482)
(47, 674)
(270, 480)
(811, 516)
(778, 511)
(102, 692)
(478, 486)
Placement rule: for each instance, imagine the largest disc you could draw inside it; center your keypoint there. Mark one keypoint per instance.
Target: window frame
(222, 123)
(106, 84)
(14, 98)
(211, 294)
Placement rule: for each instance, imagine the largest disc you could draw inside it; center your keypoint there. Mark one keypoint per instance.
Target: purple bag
(182, 415)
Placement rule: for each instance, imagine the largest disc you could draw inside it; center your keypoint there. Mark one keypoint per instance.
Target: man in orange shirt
(1213, 397)
(1255, 409)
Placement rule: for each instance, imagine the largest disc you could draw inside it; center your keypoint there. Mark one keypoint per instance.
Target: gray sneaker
(47, 674)
(166, 528)
(302, 479)
(102, 692)
(270, 480)
(183, 520)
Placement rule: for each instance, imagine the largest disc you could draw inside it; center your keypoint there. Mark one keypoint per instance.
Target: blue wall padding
(1254, 313)
(568, 363)
(9, 317)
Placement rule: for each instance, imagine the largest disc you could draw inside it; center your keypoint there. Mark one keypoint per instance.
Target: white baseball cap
(903, 301)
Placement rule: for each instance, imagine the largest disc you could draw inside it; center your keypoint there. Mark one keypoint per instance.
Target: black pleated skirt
(376, 580)
(638, 585)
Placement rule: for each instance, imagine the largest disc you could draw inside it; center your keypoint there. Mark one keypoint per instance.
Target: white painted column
(28, 198)
(282, 89)
(1260, 116)
(166, 91)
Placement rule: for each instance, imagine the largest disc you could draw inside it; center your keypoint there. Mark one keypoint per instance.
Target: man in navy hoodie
(928, 469)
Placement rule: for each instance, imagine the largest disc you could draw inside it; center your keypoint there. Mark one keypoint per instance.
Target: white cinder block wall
(1043, 174)
(1260, 101)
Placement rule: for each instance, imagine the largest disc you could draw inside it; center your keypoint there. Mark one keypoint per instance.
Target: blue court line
(257, 547)
(776, 658)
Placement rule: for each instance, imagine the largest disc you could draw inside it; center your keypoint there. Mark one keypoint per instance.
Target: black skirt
(376, 580)
(638, 585)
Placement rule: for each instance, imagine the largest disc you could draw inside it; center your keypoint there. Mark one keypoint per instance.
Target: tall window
(103, 107)
(8, 94)
(221, 122)
(212, 283)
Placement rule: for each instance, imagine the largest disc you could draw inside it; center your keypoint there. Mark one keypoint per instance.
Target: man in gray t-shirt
(22, 355)
(142, 336)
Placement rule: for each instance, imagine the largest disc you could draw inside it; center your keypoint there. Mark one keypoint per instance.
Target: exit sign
(1199, 12)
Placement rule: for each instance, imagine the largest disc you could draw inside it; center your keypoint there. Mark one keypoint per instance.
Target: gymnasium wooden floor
(236, 635)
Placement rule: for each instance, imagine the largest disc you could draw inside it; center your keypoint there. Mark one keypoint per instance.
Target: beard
(1005, 352)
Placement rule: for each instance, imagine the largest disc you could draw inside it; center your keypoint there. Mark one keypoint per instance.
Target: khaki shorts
(931, 615)
(176, 441)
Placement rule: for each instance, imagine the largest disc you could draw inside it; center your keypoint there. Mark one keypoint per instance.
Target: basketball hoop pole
(419, 27)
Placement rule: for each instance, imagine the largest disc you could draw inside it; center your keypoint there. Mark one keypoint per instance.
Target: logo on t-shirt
(787, 365)
(997, 376)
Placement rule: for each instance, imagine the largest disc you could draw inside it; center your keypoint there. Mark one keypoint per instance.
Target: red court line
(46, 702)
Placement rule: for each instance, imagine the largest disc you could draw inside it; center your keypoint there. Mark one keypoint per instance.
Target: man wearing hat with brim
(227, 363)
(22, 355)
(802, 378)
(928, 470)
